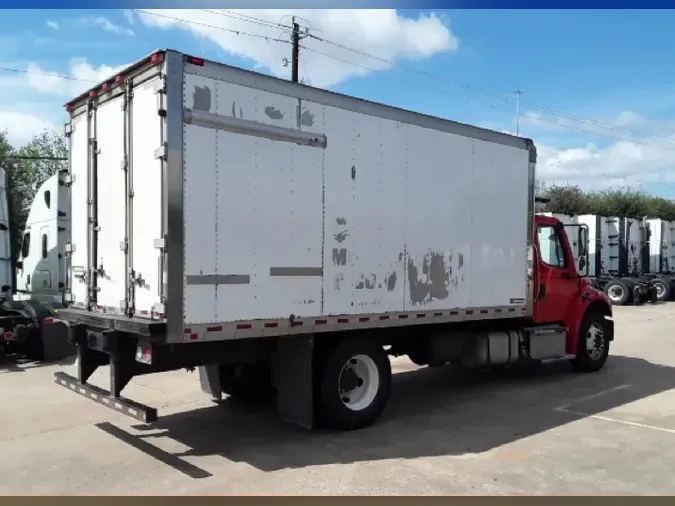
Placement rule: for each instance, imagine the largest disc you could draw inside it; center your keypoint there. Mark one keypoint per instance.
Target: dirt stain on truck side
(437, 273)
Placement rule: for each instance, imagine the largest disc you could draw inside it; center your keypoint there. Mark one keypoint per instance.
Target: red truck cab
(562, 295)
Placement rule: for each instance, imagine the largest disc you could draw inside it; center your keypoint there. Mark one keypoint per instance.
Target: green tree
(567, 199)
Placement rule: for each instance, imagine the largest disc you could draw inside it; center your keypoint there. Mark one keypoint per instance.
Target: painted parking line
(565, 408)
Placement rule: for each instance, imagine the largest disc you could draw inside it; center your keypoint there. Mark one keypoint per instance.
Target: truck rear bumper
(125, 406)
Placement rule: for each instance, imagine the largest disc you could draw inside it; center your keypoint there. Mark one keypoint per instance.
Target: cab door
(556, 283)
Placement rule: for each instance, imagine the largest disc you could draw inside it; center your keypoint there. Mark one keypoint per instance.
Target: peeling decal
(432, 282)
(340, 256)
(201, 98)
(307, 118)
(341, 236)
(273, 112)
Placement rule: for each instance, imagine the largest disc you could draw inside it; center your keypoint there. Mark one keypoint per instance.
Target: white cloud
(53, 25)
(382, 32)
(80, 77)
(108, 26)
(644, 154)
(21, 127)
(129, 16)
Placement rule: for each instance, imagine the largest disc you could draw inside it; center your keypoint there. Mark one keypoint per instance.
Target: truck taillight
(144, 355)
(8, 336)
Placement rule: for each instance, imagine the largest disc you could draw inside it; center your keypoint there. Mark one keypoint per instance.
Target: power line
(506, 98)
(252, 19)
(46, 74)
(214, 27)
(608, 175)
(249, 19)
(527, 105)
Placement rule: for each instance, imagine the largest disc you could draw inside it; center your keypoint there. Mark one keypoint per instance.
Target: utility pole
(518, 93)
(296, 51)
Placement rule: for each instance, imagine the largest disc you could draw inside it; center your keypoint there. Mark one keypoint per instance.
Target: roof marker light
(69, 107)
(156, 58)
(92, 94)
(119, 79)
(194, 60)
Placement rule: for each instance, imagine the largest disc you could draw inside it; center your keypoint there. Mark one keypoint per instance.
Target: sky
(598, 86)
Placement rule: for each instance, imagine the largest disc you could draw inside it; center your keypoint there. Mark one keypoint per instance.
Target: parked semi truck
(33, 287)
(628, 258)
(286, 240)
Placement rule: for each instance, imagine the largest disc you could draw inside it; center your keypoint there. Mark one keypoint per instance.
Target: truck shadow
(433, 412)
(21, 363)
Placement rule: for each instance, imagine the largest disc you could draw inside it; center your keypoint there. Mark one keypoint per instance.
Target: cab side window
(25, 246)
(551, 246)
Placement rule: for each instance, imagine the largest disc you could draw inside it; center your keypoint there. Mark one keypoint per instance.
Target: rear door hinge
(68, 129)
(159, 85)
(69, 179)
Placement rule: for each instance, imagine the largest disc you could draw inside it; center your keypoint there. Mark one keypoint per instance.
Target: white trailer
(228, 219)
(615, 249)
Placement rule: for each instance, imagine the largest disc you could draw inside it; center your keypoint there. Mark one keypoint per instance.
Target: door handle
(542, 290)
(27, 280)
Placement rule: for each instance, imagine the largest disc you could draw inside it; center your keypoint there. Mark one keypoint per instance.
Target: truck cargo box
(223, 203)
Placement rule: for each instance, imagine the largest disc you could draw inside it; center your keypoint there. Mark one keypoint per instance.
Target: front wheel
(355, 385)
(593, 347)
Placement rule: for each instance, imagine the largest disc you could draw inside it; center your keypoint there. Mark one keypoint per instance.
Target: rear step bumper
(120, 404)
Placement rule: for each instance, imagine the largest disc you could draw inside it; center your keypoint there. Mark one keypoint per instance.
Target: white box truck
(286, 240)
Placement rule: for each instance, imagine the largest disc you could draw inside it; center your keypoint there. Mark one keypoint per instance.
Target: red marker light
(106, 87)
(119, 80)
(156, 58)
(92, 94)
(69, 107)
(194, 60)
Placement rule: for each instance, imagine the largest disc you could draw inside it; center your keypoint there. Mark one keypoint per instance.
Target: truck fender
(578, 312)
(209, 380)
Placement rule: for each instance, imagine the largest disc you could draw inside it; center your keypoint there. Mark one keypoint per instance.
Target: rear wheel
(593, 347)
(355, 385)
(663, 289)
(618, 292)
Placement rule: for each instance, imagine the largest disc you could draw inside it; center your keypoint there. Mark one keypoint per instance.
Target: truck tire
(247, 382)
(618, 292)
(593, 347)
(663, 289)
(355, 385)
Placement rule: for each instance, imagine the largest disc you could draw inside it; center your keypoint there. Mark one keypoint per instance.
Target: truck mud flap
(125, 406)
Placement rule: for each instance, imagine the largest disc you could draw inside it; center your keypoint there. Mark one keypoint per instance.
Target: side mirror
(581, 266)
(19, 264)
